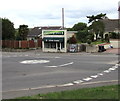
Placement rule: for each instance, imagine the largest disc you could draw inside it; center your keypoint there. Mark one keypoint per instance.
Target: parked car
(73, 48)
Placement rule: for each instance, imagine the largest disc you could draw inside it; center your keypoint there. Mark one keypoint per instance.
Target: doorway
(58, 46)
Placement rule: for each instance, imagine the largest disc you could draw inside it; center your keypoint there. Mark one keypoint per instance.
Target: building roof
(111, 24)
(36, 31)
(71, 32)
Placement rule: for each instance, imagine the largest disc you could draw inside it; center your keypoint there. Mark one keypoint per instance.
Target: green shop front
(54, 41)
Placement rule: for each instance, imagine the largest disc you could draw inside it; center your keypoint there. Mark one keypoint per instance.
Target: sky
(49, 12)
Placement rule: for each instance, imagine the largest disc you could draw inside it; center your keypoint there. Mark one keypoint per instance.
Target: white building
(54, 40)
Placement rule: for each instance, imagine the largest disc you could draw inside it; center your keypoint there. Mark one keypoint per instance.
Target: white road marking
(34, 61)
(61, 65)
(94, 76)
(106, 71)
(51, 66)
(78, 81)
(87, 79)
(100, 74)
(63, 85)
(112, 68)
(66, 64)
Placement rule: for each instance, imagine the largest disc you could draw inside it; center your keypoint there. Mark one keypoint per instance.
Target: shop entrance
(58, 46)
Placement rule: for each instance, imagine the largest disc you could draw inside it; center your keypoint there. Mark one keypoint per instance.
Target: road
(27, 71)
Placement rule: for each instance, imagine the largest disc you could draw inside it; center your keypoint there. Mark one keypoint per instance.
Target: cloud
(48, 12)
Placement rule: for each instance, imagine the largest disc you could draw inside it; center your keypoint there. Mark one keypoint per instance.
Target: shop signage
(48, 39)
(53, 32)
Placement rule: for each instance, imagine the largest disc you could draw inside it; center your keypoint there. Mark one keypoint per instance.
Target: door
(58, 46)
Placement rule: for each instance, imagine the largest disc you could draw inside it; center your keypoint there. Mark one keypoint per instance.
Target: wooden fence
(21, 44)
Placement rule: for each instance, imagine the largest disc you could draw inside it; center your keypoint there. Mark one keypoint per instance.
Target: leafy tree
(8, 30)
(23, 32)
(79, 26)
(97, 27)
(70, 29)
(96, 18)
(82, 35)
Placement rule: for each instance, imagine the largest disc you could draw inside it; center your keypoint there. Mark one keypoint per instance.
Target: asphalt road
(27, 71)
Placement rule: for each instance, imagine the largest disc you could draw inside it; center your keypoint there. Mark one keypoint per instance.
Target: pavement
(113, 50)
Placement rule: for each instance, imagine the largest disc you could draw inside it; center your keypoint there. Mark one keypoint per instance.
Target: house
(36, 32)
(111, 25)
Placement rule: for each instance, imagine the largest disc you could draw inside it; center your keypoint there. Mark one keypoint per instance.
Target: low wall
(91, 48)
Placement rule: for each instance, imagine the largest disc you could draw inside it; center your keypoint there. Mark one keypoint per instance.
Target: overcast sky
(49, 12)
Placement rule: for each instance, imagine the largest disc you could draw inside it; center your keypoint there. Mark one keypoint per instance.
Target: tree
(96, 18)
(23, 32)
(79, 26)
(97, 26)
(8, 30)
(82, 35)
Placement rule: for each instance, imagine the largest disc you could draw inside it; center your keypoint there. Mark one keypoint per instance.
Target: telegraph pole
(118, 19)
(119, 10)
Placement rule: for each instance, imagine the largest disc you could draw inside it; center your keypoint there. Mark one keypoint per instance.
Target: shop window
(50, 45)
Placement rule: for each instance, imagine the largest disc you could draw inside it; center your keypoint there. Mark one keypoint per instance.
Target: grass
(97, 42)
(104, 92)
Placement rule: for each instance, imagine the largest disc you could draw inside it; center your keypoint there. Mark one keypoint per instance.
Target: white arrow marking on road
(62, 65)
(66, 64)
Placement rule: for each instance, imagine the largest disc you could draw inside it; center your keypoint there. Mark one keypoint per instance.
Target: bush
(72, 40)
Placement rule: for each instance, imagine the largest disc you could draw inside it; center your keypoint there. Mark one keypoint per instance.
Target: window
(50, 45)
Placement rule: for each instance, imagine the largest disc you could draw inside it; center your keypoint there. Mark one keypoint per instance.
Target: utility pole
(62, 18)
(119, 10)
(118, 19)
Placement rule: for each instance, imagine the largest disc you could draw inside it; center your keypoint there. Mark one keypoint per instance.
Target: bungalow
(111, 25)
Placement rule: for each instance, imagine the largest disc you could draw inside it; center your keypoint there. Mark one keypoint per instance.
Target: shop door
(58, 46)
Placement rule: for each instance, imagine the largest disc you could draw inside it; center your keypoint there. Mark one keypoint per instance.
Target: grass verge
(104, 92)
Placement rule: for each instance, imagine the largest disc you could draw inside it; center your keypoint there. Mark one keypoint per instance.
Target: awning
(53, 39)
